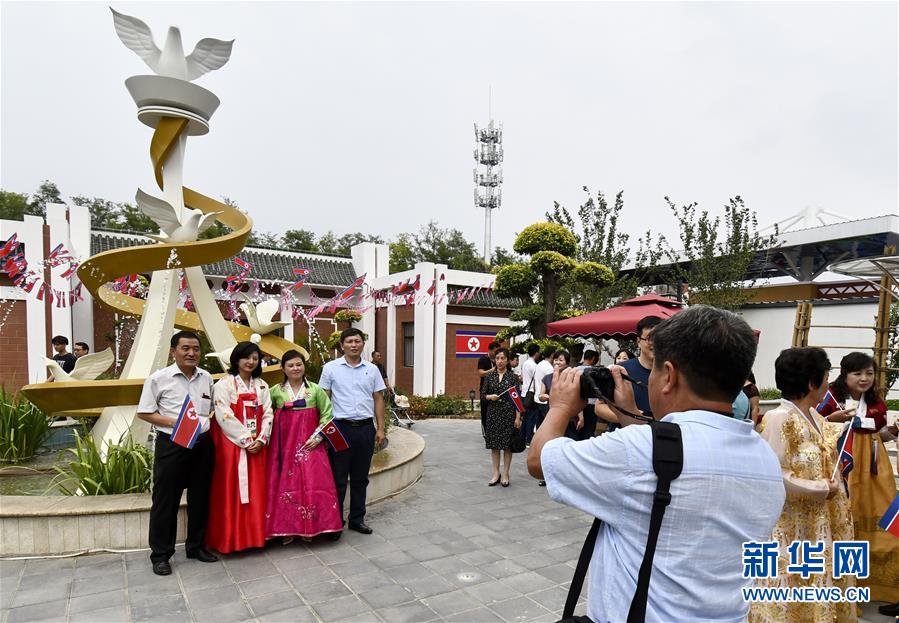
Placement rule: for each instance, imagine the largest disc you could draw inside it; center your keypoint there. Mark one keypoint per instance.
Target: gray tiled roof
(268, 264)
(488, 299)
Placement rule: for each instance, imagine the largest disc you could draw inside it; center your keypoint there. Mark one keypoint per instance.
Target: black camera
(597, 382)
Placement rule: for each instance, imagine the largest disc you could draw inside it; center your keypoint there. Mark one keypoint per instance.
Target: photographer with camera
(727, 488)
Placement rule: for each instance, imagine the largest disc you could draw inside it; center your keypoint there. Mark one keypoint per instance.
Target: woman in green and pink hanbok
(302, 499)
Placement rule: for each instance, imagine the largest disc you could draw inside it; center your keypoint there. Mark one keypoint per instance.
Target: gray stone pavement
(449, 548)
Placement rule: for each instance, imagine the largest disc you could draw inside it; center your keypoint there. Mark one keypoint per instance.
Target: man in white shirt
(176, 468)
(544, 367)
(528, 385)
(729, 492)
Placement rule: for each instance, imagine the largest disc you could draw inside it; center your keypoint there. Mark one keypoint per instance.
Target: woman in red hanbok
(302, 499)
(240, 431)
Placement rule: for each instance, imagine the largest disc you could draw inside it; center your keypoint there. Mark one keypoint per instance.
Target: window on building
(408, 344)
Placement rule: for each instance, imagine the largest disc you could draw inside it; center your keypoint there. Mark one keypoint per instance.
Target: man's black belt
(348, 422)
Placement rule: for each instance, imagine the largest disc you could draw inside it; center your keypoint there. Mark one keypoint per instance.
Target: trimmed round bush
(551, 262)
(545, 237)
(593, 273)
(515, 280)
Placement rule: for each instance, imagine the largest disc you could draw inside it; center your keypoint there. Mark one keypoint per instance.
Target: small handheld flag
(516, 398)
(828, 401)
(845, 459)
(890, 519)
(330, 432)
(187, 428)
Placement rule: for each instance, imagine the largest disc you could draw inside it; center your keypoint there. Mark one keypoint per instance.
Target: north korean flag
(187, 427)
(471, 344)
(516, 398)
(890, 519)
(335, 437)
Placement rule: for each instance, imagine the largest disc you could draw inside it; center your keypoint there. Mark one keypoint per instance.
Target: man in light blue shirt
(730, 490)
(355, 387)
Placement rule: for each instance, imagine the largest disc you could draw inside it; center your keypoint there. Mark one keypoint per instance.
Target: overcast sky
(358, 117)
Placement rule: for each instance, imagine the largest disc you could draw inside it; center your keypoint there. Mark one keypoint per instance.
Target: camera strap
(667, 463)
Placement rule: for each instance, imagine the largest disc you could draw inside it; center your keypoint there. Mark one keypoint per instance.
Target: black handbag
(528, 399)
(667, 462)
(517, 443)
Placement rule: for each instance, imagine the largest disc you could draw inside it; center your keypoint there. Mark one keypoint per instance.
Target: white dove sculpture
(223, 356)
(208, 55)
(163, 214)
(260, 316)
(87, 367)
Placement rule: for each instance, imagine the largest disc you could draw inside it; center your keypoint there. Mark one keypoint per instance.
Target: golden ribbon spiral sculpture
(87, 397)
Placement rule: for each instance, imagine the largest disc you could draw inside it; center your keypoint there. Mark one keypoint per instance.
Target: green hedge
(441, 404)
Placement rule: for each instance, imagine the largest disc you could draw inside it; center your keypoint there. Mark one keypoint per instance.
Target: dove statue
(163, 214)
(259, 317)
(87, 367)
(223, 356)
(208, 55)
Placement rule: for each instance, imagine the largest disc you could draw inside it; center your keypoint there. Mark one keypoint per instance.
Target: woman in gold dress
(817, 507)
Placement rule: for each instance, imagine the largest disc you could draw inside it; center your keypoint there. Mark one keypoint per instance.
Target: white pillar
(439, 308)
(60, 317)
(372, 260)
(286, 308)
(391, 354)
(423, 363)
(82, 311)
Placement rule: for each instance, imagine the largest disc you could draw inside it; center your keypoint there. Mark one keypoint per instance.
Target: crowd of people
(746, 476)
(259, 468)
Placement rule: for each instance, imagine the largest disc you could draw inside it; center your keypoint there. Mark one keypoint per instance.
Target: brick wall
(461, 374)
(14, 342)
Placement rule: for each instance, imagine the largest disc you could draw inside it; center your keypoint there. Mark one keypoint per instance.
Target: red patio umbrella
(616, 322)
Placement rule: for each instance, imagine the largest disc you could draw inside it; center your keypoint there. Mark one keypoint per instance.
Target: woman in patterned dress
(302, 499)
(502, 416)
(872, 486)
(817, 507)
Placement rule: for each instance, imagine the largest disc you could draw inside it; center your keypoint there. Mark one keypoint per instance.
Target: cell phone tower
(488, 176)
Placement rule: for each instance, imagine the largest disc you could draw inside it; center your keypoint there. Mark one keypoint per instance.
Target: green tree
(715, 257)
(552, 266)
(299, 240)
(14, 206)
(402, 253)
(446, 246)
(133, 219)
(46, 193)
(264, 239)
(105, 214)
(346, 242)
(602, 242)
(504, 257)
(328, 243)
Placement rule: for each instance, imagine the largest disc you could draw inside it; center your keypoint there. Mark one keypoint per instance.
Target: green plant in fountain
(127, 468)
(23, 427)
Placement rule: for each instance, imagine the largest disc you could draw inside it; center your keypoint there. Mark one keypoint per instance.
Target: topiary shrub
(545, 237)
(515, 280)
(552, 262)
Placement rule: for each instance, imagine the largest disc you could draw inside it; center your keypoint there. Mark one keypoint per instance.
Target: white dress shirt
(165, 389)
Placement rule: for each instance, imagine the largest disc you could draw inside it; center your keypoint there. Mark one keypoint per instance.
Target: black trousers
(175, 468)
(353, 463)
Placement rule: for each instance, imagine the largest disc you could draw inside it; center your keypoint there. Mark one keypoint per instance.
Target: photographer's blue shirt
(730, 491)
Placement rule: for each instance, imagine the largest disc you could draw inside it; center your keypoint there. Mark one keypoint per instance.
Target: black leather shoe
(203, 555)
(334, 536)
(890, 610)
(361, 528)
(162, 568)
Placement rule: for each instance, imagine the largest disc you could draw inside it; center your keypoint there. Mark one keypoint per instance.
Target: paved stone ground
(447, 549)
